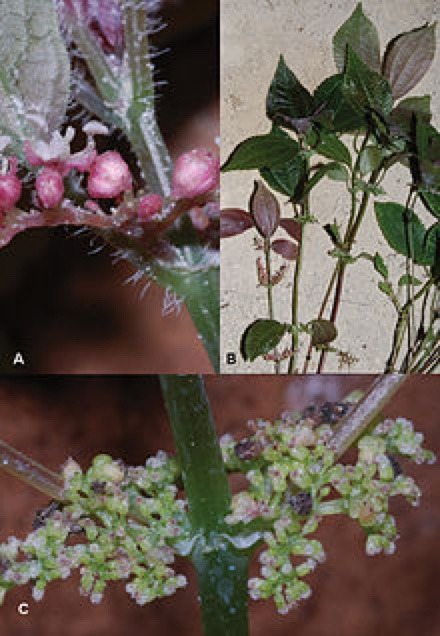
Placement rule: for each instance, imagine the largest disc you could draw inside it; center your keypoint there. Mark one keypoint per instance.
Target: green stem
(269, 291)
(295, 295)
(221, 569)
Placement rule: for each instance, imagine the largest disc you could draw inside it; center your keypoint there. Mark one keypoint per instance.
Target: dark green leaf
(407, 236)
(431, 202)
(364, 88)
(261, 337)
(286, 178)
(329, 95)
(263, 151)
(370, 159)
(323, 332)
(333, 148)
(379, 265)
(408, 57)
(287, 97)
(333, 232)
(361, 34)
(265, 210)
(408, 280)
(333, 170)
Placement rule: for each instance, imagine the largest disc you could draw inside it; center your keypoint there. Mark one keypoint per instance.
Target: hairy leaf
(263, 151)
(405, 233)
(265, 210)
(234, 221)
(35, 67)
(408, 57)
(364, 88)
(287, 97)
(361, 34)
(261, 337)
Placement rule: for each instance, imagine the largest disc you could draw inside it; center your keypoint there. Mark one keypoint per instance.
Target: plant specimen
(116, 522)
(67, 60)
(356, 128)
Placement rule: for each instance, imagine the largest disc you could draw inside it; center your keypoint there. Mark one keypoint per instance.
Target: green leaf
(404, 110)
(364, 88)
(408, 57)
(386, 287)
(408, 280)
(286, 178)
(261, 337)
(273, 150)
(287, 97)
(379, 265)
(431, 202)
(323, 332)
(332, 148)
(334, 171)
(370, 159)
(329, 95)
(406, 236)
(361, 34)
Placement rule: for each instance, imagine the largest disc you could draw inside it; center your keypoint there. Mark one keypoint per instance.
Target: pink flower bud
(195, 173)
(149, 206)
(10, 188)
(50, 188)
(109, 176)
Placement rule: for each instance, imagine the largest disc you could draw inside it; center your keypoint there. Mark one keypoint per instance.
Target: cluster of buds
(99, 178)
(293, 479)
(126, 521)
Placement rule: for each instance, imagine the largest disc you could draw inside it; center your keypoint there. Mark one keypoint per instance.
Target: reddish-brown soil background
(50, 418)
(68, 311)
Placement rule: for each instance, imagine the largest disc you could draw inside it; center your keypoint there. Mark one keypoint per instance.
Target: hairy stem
(221, 570)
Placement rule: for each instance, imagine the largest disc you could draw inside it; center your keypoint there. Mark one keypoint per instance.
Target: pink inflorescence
(10, 188)
(109, 176)
(195, 173)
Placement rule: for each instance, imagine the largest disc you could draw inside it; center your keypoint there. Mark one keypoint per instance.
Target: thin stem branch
(351, 427)
(267, 262)
(31, 472)
(295, 291)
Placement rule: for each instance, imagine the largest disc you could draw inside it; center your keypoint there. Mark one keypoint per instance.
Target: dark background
(68, 311)
(353, 595)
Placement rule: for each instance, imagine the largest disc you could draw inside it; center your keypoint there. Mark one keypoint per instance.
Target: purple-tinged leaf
(293, 228)
(286, 249)
(265, 210)
(234, 221)
(408, 57)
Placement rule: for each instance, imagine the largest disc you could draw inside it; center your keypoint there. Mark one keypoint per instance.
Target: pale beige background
(253, 34)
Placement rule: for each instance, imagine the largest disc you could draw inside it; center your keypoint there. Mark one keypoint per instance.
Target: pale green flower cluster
(294, 483)
(117, 523)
